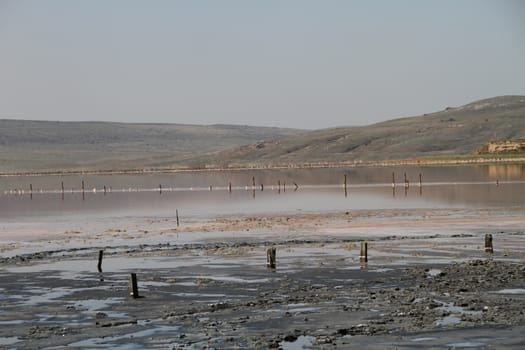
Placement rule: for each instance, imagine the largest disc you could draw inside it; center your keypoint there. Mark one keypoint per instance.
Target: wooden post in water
(211, 188)
(488, 243)
(177, 216)
(105, 189)
(31, 191)
(346, 192)
(393, 180)
(160, 188)
(134, 290)
(363, 256)
(230, 187)
(420, 185)
(100, 256)
(253, 182)
(83, 195)
(284, 186)
(271, 259)
(262, 187)
(279, 186)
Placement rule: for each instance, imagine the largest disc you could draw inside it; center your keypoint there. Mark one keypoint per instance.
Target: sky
(284, 63)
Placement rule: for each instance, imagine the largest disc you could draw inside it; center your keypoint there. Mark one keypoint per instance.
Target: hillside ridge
(452, 132)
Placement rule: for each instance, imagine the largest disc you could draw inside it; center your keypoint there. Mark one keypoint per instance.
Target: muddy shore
(419, 290)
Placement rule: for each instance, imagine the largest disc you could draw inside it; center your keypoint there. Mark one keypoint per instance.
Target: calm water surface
(159, 195)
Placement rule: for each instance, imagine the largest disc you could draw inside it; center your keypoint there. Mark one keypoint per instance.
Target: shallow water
(319, 189)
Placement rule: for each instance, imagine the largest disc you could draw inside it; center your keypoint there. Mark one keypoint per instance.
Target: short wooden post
(284, 186)
(346, 191)
(100, 256)
(393, 180)
(271, 258)
(262, 187)
(406, 181)
(253, 182)
(134, 290)
(230, 187)
(31, 191)
(488, 243)
(83, 193)
(279, 186)
(363, 257)
(177, 216)
(211, 188)
(105, 189)
(160, 188)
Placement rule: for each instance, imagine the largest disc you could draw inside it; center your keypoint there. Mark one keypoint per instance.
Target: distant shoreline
(470, 160)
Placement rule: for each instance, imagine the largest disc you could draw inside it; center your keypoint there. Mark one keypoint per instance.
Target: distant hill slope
(27, 146)
(45, 145)
(451, 132)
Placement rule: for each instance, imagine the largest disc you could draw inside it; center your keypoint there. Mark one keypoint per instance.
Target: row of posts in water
(107, 189)
(271, 261)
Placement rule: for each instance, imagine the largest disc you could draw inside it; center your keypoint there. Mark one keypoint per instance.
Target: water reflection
(262, 191)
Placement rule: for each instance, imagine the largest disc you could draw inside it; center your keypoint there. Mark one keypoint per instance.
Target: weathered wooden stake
(230, 187)
(211, 188)
(407, 184)
(284, 186)
(420, 185)
(177, 216)
(105, 189)
(100, 256)
(253, 182)
(83, 194)
(271, 259)
(279, 186)
(134, 290)
(363, 257)
(488, 243)
(262, 187)
(160, 188)
(31, 191)
(393, 180)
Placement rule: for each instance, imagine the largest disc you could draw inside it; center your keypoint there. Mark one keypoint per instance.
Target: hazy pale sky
(305, 64)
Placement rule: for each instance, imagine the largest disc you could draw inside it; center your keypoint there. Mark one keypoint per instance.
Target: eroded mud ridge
(214, 296)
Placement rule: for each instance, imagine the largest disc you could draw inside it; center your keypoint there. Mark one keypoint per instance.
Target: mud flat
(428, 284)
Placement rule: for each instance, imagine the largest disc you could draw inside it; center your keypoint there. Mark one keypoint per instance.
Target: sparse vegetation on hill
(45, 145)
(451, 133)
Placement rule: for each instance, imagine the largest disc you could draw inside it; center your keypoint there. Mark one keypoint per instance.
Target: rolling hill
(451, 132)
(27, 146)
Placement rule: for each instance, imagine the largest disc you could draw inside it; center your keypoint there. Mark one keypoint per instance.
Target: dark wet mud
(223, 296)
